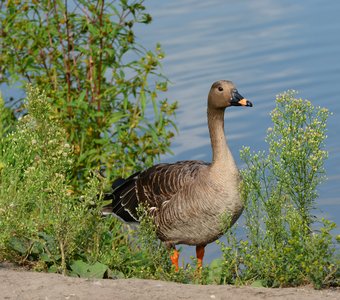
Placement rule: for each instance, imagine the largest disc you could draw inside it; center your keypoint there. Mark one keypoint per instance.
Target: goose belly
(200, 226)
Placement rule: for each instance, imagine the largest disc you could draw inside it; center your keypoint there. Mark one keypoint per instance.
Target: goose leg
(199, 255)
(174, 258)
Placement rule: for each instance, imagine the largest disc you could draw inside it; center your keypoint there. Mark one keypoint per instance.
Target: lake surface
(265, 47)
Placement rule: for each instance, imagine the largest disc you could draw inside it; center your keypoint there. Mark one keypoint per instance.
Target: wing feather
(154, 187)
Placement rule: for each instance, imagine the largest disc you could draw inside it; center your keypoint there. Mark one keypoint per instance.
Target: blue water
(265, 47)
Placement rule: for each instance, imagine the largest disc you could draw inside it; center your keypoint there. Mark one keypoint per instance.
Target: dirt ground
(20, 284)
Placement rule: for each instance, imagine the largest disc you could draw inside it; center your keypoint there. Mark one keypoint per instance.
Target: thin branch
(66, 64)
(68, 51)
(90, 64)
(100, 54)
(50, 52)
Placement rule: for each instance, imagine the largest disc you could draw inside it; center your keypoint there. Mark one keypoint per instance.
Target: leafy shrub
(85, 57)
(157, 261)
(44, 224)
(286, 244)
(36, 199)
(98, 85)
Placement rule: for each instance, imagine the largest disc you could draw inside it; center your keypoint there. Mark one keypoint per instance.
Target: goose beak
(238, 100)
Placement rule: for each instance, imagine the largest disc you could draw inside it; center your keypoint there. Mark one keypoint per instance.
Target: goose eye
(220, 88)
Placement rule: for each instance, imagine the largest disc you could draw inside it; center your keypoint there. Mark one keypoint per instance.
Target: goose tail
(120, 207)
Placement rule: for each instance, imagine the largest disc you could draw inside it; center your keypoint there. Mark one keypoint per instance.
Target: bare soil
(22, 284)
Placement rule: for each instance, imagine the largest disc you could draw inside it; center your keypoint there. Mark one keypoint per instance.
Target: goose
(188, 199)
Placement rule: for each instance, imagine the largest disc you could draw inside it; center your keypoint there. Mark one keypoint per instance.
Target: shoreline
(23, 284)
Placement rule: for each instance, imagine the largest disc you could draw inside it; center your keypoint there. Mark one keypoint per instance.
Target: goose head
(223, 93)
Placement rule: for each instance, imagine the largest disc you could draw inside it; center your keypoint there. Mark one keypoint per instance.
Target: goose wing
(152, 187)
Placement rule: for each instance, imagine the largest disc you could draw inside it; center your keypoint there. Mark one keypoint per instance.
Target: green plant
(286, 244)
(7, 121)
(43, 223)
(99, 80)
(98, 85)
(35, 200)
(82, 269)
(157, 257)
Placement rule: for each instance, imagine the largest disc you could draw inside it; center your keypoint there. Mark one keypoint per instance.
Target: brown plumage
(188, 199)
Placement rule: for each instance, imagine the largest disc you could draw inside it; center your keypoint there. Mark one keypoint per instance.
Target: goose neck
(220, 149)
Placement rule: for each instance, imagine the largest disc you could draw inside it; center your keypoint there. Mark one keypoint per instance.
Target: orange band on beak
(243, 102)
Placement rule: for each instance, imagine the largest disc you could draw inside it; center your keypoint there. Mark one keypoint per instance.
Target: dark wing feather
(123, 204)
(152, 187)
(162, 182)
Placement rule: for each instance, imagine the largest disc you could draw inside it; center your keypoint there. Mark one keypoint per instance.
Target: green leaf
(52, 269)
(93, 30)
(215, 271)
(44, 257)
(117, 116)
(18, 245)
(257, 283)
(83, 269)
(82, 95)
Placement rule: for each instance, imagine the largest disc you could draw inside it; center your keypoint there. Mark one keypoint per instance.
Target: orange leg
(199, 255)
(174, 258)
